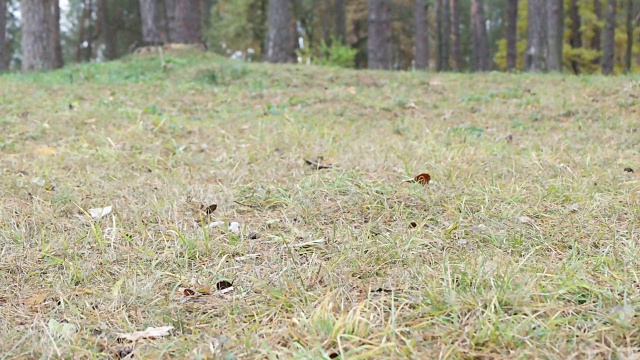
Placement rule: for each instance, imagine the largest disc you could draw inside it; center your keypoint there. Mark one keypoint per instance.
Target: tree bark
(341, 21)
(188, 24)
(481, 58)
(512, 34)
(576, 36)
(536, 54)
(150, 17)
(446, 35)
(422, 37)
(279, 43)
(3, 36)
(171, 21)
(54, 33)
(108, 34)
(379, 42)
(455, 34)
(629, 53)
(596, 41)
(37, 48)
(609, 38)
(555, 34)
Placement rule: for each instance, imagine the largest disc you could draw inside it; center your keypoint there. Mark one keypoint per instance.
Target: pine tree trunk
(37, 51)
(279, 42)
(108, 34)
(596, 41)
(446, 35)
(3, 37)
(609, 38)
(188, 22)
(171, 21)
(536, 54)
(512, 34)
(576, 35)
(455, 34)
(150, 16)
(555, 34)
(422, 37)
(341, 21)
(481, 58)
(379, 42)
(629, 53)
(58, 61)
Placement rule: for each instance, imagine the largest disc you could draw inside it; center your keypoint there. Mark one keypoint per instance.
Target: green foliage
(238, 26)
(336, 54)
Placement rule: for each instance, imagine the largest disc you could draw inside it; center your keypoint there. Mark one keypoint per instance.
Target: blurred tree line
(577, 36)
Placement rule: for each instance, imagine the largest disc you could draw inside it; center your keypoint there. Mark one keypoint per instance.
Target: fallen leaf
(526, 220)
(214, 224)
(223, 284)
(205, 289)
(628, 169)
(234, 227)
(413, 224)
(98, 213)
(422, 179)
(188, 292)
(253, 235)
(573, 207)
(316, 164)
(149, 333)
(351, 89)
(45, 151)
(35, 300)
(64, 329)
(209, 209)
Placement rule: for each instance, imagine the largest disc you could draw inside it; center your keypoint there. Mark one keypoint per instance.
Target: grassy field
(525, 244)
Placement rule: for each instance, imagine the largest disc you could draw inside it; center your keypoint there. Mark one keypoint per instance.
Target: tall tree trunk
(150, 16)
(536, 54)
(446, 34)
(54, 34)
(481, 58)
(596, 41)
(206, 6)
(341, 21)
(422, 37)
(37, 52)
(171, 20)
(555, 34)
(3, 37)
(629, 53)
(576, 35)
(187, 14)
(279, 43)
(379, 42)
(455, 34)
(609, 38)
(512, 34)
(82, 25)
(108, 33)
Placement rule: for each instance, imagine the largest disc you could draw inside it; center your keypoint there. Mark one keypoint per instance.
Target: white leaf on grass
(149, 333)
(214, 224)
(234, 227)
(573, 207)
(99, 213)
(62, 329)
(526, 220)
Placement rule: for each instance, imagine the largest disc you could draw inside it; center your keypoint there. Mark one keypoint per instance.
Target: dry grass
(525, 245)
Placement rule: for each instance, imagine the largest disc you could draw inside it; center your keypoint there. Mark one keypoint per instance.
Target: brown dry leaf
(149, 333)
(351, 89)
(188, 292)
(223, 284)
(205, 289)
(316, 164)
(45, 151)
(526, 220)
(35, 300)
(422, 179)
(208, 210)
(628, 169)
